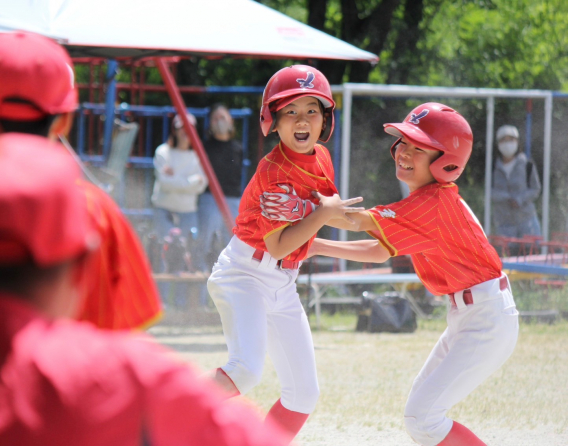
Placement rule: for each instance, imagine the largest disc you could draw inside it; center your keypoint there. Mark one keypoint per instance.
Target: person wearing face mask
(516, 186)
(226, 157)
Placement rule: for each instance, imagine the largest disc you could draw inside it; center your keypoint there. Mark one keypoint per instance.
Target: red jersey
(305, 173)
(125, 295)
(65, 382)
(449, 249)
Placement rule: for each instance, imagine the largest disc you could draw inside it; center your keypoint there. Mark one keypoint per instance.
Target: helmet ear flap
(267, 120)
(393, 147)
(328, 125)
(447, 168)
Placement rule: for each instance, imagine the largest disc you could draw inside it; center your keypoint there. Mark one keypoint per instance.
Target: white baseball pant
(261, 311)
(478, 340)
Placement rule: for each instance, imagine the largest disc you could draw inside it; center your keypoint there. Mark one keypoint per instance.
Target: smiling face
(300, 123)
(413, 164)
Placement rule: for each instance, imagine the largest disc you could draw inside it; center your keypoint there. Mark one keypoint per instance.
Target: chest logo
(387, 213)
(415, 118)
(307, 82)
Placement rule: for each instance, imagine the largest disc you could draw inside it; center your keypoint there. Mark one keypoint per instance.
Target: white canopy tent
(118, 29)
(351, 90)
(148, 28)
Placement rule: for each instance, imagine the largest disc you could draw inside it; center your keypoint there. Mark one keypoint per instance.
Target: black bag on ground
(387, 312)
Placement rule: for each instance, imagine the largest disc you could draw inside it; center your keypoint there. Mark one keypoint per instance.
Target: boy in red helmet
(253, 282)
(65, 382)
(451, 255)
(38, 96)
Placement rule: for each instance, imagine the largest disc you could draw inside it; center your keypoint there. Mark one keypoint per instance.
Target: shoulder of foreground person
(104, 380)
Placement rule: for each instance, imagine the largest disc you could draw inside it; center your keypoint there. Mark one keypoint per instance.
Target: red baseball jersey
(305, 173)
(449, 249)
(68, 383)
(125, 295)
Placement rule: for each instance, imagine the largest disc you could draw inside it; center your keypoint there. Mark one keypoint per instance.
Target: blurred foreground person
(64, 382)
(38, 96)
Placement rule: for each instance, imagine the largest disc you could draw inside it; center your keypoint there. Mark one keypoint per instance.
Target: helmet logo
(307, 82)
(415, 118)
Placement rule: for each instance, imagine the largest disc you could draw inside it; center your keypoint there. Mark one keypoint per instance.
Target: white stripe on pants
(261, 311)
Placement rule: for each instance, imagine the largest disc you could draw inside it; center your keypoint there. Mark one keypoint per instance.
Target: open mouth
(301, 136)
(404, 166)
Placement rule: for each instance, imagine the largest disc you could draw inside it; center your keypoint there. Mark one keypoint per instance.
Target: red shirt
(69, 383)
(125, 295)
(449, 249)
(305, 173)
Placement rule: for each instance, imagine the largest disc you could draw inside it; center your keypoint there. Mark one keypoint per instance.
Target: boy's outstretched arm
(289, 207)
(366, 251)
(282, 243)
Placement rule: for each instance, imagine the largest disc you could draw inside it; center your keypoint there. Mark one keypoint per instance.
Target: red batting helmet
(289, 84)
(436, 126)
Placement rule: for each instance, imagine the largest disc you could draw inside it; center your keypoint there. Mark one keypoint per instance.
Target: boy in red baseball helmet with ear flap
(65, 382)
(451, 255)
(253, 282)
(38, 95)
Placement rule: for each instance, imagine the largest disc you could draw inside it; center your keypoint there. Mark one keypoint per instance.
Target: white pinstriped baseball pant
(478, 340)
(261, 312)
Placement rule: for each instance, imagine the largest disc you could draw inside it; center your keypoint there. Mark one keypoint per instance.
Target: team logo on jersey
(307, 82)
(387, 213)
(415, 118)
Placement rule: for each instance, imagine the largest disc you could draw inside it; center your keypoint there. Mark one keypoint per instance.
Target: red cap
(34, 69)
(43, 213)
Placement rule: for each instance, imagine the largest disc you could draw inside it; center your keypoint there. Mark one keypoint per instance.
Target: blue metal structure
(166, 113)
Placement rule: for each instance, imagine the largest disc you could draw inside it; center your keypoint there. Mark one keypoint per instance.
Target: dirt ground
(364, 380)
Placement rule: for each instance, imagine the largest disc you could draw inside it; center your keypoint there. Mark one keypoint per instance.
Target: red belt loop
(468, 297)
(503, 283)
(288, 264)
(258, 255)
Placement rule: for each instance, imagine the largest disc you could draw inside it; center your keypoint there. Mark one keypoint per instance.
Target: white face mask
(221, 127)
(509, 148)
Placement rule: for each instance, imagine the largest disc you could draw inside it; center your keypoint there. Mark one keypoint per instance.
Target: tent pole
(196, 143)
(112, 69)
(489, 162)
(345, 157)
(546, 168)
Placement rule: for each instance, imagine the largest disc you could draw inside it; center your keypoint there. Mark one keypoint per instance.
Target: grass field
(365, 378)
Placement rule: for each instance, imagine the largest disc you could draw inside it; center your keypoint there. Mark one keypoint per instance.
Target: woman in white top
(179, 179)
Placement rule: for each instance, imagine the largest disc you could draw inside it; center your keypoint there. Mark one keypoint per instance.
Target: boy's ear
(61, 125)
(323, 125)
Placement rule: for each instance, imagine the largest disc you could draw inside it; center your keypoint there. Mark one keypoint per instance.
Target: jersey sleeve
(408, 226)
(124, 295)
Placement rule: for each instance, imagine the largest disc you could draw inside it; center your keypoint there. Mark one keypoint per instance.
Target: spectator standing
(516, 186)
(66, 382)
(226, 157)
(179, 179)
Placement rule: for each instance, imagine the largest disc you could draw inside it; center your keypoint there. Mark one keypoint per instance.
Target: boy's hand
(285, 206)
(338, 208)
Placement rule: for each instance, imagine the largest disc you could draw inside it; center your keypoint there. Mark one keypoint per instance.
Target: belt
(468, 295)
(282, 264)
